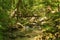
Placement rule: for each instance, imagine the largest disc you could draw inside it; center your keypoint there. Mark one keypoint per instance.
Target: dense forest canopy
(29, 19)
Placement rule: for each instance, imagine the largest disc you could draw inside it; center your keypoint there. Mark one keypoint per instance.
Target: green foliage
(30, 19)
(1, 37)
